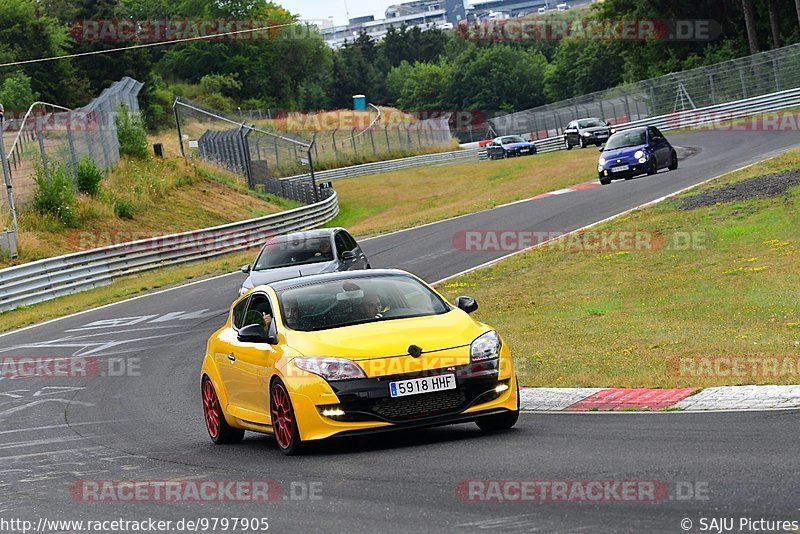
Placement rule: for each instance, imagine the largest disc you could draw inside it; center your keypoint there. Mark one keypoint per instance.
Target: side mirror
(255, 333)
(467, 304)
(246, 268)
(600, 148)
(348, 255)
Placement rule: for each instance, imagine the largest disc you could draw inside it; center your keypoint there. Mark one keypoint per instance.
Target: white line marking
(64, 451)
(49, 427)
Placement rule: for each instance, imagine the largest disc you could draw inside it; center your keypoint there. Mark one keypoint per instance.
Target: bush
(131, 134)
(89, 177)
(123, 208)
(55, 195)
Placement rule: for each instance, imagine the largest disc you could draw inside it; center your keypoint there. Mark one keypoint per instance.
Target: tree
(426, 87)
(16, 92)
(750, 25)
(774, 23)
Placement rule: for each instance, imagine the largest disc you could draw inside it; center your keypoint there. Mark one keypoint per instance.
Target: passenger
(291, 312)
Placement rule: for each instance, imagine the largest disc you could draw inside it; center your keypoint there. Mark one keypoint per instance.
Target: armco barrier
(389, 165)
(47, 279)
(701, 116)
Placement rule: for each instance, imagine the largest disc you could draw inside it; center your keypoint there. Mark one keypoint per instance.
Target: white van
(562, 7)
(542, 10)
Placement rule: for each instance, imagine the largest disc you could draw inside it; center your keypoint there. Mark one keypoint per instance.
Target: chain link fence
(253, 145)
(737, 79)
(249, 152)
(49, 134)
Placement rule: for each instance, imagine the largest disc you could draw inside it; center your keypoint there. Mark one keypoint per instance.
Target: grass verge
(621, 318)
(395, 200)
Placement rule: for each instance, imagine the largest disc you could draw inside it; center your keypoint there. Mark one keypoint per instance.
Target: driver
(324, 249)
(371, 305)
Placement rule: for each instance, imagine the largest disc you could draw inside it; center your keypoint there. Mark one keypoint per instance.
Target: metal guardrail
(700, 116)
(47, 279)
(389, 165)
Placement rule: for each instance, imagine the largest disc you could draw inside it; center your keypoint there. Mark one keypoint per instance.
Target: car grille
(413, 406)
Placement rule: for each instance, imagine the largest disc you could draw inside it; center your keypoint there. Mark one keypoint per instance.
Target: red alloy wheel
(211, 408)
(281, 409)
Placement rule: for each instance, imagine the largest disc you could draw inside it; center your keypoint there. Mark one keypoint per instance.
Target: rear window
(294, 251)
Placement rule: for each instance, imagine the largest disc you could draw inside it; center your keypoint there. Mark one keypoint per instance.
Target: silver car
(304, 253)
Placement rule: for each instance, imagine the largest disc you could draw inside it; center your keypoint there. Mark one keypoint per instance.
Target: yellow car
(352, 353)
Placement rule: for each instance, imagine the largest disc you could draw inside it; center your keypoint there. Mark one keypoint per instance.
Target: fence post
(71, 143)
(741, 79)
(7, 173)
(372, 141)
(775, 74)
(248, 169)
(353, 141)
(40, 138)
(711, 86)
(178, 126)
(335, 148)
(311, 167)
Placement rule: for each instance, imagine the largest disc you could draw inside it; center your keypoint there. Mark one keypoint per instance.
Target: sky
(322, 9)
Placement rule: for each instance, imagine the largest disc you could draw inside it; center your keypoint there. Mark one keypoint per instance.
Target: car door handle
(231, 357)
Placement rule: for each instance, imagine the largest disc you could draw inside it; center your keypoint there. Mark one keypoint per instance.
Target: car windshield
(590, 123)
(294, 250)
(512, 139)
(629, 138)
(339, 303)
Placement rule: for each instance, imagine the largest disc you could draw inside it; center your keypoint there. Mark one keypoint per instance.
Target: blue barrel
(359, 102)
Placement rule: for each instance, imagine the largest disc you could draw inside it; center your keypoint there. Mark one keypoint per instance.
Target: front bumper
(368, 407)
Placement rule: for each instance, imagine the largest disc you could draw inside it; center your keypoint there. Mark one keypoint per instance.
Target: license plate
(524, 150)
(428, 384)
(620, 168)
(602, 135)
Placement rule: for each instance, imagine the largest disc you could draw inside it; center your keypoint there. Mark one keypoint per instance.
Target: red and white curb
(651, 399)
(571, 189)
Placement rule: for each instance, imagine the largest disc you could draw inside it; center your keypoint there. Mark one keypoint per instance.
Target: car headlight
(485, 347)
(638, 154)
(599, 168)
(331, 368)
(642, 160)
(602, 161)
(586, 134)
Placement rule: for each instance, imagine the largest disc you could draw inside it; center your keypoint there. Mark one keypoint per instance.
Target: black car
(584, 132)
(509, 146)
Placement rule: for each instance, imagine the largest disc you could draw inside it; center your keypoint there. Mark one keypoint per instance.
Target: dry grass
(166, 196)
(391, 201)
(618, 318)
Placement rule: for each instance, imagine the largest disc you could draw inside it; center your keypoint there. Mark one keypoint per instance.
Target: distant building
(442, 14)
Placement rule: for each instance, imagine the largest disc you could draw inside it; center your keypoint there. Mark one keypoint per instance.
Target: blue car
(509, 146)
(629, 153)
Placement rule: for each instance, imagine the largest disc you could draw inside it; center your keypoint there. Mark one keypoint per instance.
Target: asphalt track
(146, 424)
